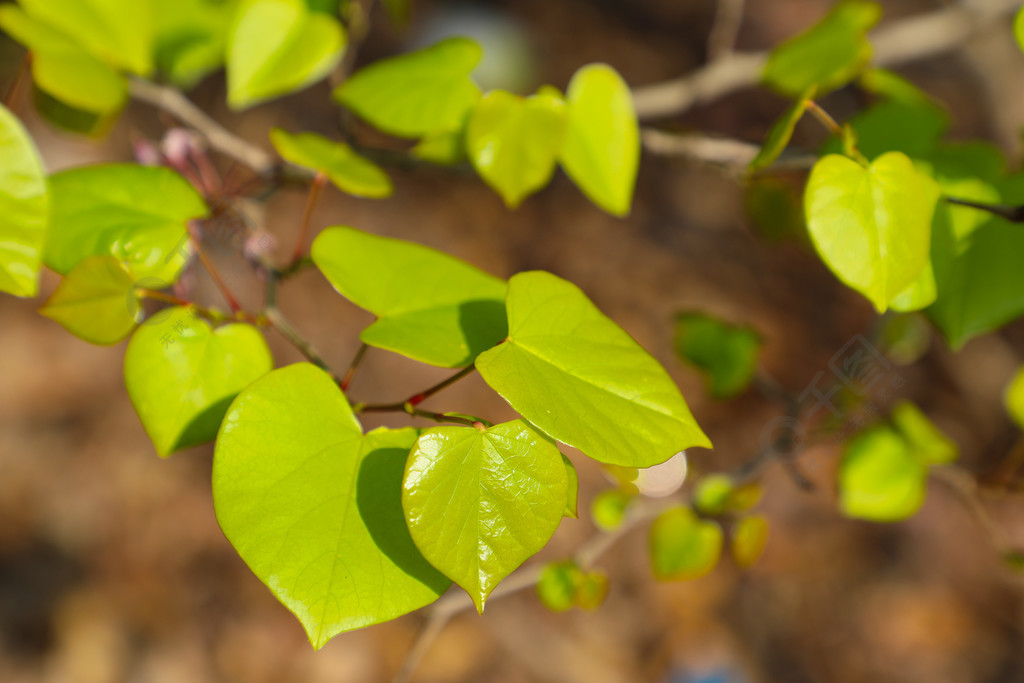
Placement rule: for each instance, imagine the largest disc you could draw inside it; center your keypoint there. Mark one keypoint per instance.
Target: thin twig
(895, 43)
(725, 28)
(220, 138)
(416, 399)
(353, 366)
(217, 280)
(965, 486)
(19, 78)
(286, 330)
(319, 180)
(1014, 214)
(731, 155)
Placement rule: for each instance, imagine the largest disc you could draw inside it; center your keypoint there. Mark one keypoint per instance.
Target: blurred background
(113, 568)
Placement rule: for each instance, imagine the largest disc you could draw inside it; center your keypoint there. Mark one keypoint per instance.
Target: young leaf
(349, 171)
(429, 306)
(279, 46)
(514, 142)
(749, 537)
(880, 479)
(829, 55)
(782, 131)
(682, 546)
(62, 68)
(572, 489)
(191, 38)
(582, 379)
(181, 375)
(118, 33)
(872, 225)
(480, 502)
(913, 128)
(726, 354)
(137, 214)
(445, 147)
(558, 585)
(602, 145)
(417, 93)
(608, 509)
(1018, 28)
(314, 507)
(926, 441)
(96, 301)
(592, 590)
(24, 207)
(712, 493)
(1015, 399)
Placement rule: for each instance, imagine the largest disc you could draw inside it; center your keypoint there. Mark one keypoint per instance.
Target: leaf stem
(353, 366)
(286, 330)
(217, 280)
(1014, 214)
(314, 193)
(409, 404)
(424, 395)
(19, 78)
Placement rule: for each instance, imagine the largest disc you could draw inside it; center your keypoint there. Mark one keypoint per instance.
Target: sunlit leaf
(682, 546)
(96, 301)
(749, 537)
(782, 131)
(712, 493)
(279, 46)
(314, 507)
(602, 145)
(558, 585)
(191, 38)
(430, 306)
(880, 478)
(1015, 398)
(871, 225)
(608, 509)
(349, 171)
(925, 439)
(181, 375)
(514, 142)
(480, 502)
(417, 93)
(138, 214)
(24, 208)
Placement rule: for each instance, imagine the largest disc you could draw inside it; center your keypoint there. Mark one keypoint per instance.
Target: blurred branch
(219, 138)
(733, 155)
(725, 28)
(896, 43)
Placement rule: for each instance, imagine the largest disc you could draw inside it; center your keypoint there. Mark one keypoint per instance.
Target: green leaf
(726, 354)
(558, 584)
(24, 208)
(430, 306)
(279, 46)
(96, 301)
(892, 86)
(977, 267)
(417, 93)
(582, 379)
(913, 128)
(514, 142)
(136, 213)
(712, 494)
(925, 439)
(1015, 399)
(749, 537)
(349, 171)
(572, 489)
(829, 55)
(181, 375)
(314, 507)
(117, 33)
(782, 131)
(1018, 28)
(608, 509)
(446, 147)
(683, 547)
(872, 225)
(63, 69)
(592, 590)
(191, 38)
(602, 145)
(480, 502)
(66, 117)
(880, 479)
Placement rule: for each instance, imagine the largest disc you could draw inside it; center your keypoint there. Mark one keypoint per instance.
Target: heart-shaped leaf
(480, 502)
(181, 375)
(278, 46)
(725, 353)
(314, 507)
(138, 214)
(96, 301)
(682, 546)
(430, 306)
(63, 69)
(871, 225)
(880, 478)
(348, 171)
(514, 142)
(24, 207)
(582, 379)
(602, 145)
(417, 93)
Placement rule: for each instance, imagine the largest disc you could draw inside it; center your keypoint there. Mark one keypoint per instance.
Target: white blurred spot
(664, 479)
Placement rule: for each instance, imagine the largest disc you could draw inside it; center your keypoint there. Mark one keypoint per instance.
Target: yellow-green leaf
(24, 208)
(349, 171)
(96, 301)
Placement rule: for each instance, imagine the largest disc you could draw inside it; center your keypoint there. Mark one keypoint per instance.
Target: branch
(896, 43)
(219, 138)
(725, 29)
(725, 152)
